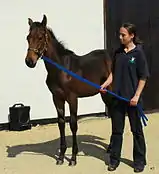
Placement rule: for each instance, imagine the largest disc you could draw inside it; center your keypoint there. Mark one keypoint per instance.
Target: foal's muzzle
(29, 62)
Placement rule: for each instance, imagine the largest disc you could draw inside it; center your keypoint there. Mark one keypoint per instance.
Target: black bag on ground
(19, 117)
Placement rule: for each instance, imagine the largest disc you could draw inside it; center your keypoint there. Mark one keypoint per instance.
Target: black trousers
(118, 112)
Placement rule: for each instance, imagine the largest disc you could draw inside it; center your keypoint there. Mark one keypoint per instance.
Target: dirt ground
(34, 151)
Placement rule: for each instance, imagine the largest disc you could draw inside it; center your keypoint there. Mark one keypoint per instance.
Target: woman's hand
(106, 84)
(134, 100)
(103, 88)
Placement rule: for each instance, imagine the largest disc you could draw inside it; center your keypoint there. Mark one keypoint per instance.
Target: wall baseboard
(5, 126)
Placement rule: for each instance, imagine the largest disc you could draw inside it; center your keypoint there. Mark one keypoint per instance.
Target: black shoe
(139, 168)
(112, 167)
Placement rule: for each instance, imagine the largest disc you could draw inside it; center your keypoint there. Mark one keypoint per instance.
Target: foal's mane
(61, 49)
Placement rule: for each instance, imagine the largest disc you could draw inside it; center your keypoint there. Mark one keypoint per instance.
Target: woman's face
(125, 37)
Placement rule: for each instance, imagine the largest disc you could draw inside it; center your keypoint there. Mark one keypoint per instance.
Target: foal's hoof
(72, 163)
(59, 162)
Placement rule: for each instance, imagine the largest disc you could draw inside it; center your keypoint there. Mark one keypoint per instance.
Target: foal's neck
(52, 54)
(52, 51)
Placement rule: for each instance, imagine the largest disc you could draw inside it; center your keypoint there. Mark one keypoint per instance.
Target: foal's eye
(40, 38)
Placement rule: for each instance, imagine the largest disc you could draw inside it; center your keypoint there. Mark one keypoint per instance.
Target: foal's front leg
(73, 125)
(59, 104)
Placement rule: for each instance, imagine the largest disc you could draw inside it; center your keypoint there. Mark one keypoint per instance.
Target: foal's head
(37, 41)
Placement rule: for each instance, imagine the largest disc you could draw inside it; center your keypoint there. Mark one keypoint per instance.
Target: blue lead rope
(142, 116)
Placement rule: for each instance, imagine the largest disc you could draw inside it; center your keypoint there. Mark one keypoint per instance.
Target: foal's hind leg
(59, 104)
(73, 125)
(107, 99)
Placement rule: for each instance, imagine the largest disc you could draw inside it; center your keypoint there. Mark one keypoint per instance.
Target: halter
(40, 52)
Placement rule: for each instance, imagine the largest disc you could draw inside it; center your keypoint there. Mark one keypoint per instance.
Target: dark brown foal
(94, 66)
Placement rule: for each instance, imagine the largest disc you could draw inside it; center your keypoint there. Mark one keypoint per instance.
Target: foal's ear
(30, 21)
(44, 21)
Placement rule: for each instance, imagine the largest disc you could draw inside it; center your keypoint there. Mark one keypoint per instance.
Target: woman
(128, 78)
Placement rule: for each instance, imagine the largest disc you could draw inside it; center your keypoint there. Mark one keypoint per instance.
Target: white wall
(78, 23)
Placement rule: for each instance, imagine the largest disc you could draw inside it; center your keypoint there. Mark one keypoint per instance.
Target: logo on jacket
(132, 60)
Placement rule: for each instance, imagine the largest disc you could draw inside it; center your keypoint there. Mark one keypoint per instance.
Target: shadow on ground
(89, 145)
